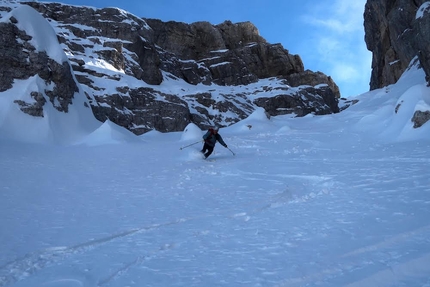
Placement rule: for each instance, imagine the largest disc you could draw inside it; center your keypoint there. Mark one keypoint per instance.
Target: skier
(210, 139)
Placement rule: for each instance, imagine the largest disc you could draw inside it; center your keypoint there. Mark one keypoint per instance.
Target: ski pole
(181, 148)
(231, 151)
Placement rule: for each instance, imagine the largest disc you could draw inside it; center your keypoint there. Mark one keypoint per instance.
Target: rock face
(396, 32)
(122, 61)
(20, 61)
(420, 118)
(232, 54)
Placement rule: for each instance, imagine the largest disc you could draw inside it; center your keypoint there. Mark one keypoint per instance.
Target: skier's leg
(205, 147)
(210, 150)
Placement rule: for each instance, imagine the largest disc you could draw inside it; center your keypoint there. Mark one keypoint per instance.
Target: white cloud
(338, 43)
(332, 24)
(328, 47)
(338, 17)
(344, 72)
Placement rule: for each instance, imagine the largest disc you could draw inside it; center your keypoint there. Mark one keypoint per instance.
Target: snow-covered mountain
(321, 200)
(139, 72)
(72, 70)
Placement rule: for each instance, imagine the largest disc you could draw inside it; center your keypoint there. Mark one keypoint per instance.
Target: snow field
(287, 210)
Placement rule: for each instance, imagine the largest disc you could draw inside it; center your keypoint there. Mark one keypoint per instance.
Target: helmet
(216, 128)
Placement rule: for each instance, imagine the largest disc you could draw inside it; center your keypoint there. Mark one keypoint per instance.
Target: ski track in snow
(207, 232)
(33, 262)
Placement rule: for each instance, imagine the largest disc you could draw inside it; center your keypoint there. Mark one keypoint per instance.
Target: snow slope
(337, 200)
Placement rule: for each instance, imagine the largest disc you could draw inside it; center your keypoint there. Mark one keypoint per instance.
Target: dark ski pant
(207, 150)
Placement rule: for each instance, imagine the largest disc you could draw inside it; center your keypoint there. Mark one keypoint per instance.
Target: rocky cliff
(396, 31)
(146, 74)
(398, 34)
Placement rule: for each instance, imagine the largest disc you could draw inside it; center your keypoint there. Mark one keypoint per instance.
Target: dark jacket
(211, 138)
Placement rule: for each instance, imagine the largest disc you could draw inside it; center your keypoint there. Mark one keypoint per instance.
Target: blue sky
(327, 34)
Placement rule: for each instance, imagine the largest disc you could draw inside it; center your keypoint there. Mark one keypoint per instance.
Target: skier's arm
(220, 140)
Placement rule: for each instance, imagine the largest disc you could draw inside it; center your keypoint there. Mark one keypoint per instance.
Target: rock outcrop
(398, 35)
(396, 32)
(121, 62)
(20, 61)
